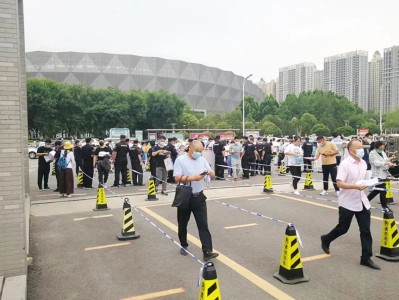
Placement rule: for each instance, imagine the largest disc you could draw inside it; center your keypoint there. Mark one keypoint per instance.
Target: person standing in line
(235, 154)
(307, 148)
(218, 149)
(352, 201)
(281, 155)
(119, 159)
(227, 156)
(77, 152)
(87, 166)
(338, 143)
(173, 155)
(248, 155)
(294, 153)
(57, 148)
(258, 159)
(137, 163)
(66, 175)
(327, 151)
(366, 142)
(380, 164)
(192, 168)
(159, 154)
(101, 157)
(43, 171)
(266, 157)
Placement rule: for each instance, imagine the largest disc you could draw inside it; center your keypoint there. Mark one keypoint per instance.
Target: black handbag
(182, 195)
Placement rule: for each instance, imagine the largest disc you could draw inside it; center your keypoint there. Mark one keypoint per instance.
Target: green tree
(268, 128)
(345, 130)
(307, 121)
(189, 119)
(392, 121)
(321, 129)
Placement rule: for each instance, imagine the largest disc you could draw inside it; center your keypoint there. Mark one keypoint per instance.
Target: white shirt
(294, 160)
(350, 171)
(70, 158)
(186, 166)
(338, 142)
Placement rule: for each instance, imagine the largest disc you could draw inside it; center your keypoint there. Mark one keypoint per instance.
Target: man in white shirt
(353, 201)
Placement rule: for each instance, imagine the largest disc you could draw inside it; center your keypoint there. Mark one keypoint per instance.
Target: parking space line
(315, 257)
(250, 276)
(240, 226)
(157, 294)
(322, 205)
(256, 199)
(107, 246)
(93, 217)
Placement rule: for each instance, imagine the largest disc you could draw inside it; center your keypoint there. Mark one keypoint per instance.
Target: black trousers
(137, 178)
(344, 222)
(383, 194)
(338, 158)
(327, 171)
(308, 164)
(266, 164)
(296, 175)
(252, 165)
(245, 166)
(219, 166)
(198, 208)
(153, 168)
(120, 167)
(102, 176)
(88, 169)
(43, 173)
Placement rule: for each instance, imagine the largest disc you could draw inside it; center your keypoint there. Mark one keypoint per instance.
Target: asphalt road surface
(76, 254)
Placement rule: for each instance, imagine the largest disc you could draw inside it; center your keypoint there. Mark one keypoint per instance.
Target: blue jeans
(230, 170)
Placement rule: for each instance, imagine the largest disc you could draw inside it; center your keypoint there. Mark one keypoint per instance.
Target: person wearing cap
(119, 159)
(137, 163)
(327, 151)
(380, 164)
(66, 184)
(43, 165)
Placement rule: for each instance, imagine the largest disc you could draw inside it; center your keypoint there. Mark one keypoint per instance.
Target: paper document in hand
(370, 182)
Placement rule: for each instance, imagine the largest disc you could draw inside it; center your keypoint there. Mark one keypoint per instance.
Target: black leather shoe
(183, 251)
(164, 193)
(369, 263)
(324, 245)
(210, 255)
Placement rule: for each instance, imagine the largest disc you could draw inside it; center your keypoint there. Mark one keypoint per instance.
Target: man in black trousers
(218, 149)
(87, 164)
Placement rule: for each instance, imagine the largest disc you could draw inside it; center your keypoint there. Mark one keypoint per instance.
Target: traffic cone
(209, 289)
(291, 270)
(127, 232)
(283, 169)
(152, 196)
(267, 185)
(308, 181)
(53, 169)
(80, 179)
(389, 238)
(101, 203)
(128, 177)
(389, 195)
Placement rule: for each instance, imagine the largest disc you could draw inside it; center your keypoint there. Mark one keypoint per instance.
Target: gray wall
(14, 197)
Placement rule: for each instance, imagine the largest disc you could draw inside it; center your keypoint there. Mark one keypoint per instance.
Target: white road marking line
(240, 226)
(93, 217)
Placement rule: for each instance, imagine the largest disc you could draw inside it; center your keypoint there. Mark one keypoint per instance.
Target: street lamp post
(243, 103)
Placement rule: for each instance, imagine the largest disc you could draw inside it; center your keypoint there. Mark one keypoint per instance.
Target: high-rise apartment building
(318, 80)
(269, 88)
(390, 79)
(295, 79)
(375, 81)
(347, 75)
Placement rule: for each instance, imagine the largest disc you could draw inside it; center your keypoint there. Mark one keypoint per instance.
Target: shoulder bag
(182, 195)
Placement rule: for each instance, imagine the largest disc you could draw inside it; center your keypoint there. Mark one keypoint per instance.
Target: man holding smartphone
(191, 168)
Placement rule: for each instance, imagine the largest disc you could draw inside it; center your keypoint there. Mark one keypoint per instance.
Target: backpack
(62, 163)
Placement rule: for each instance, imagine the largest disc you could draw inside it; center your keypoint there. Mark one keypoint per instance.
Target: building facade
(14, 170)
(390, 79)
(206, 89)
(318, 80)
(375, 81)
(295, 79)
(347, 75)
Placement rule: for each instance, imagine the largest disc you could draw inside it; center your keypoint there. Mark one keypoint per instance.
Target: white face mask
(161, 144)
(360, 153)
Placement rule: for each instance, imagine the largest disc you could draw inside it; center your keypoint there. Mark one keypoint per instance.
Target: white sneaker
(323, 193)
(296, 192)
(337, 193)
(229, 176)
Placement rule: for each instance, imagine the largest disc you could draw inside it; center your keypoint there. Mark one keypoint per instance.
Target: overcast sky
(243, 36)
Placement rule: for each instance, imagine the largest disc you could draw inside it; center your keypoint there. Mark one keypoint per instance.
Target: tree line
(77, 110)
